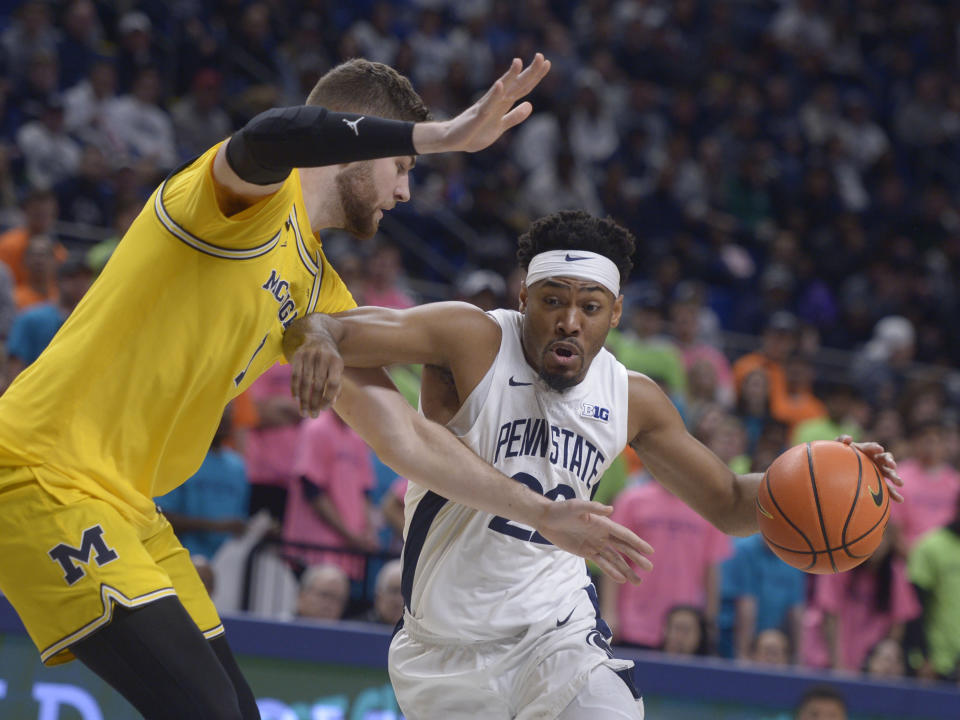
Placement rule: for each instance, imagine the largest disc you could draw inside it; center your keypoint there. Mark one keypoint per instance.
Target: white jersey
(470, 576)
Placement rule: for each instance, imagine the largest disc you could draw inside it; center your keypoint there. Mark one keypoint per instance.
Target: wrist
(428, 137)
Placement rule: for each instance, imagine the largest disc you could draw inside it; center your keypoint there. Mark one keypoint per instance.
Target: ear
(523, 297)
(617, 311)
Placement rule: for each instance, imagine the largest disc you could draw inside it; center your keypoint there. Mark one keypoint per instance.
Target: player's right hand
(582, 527)
(316, 363)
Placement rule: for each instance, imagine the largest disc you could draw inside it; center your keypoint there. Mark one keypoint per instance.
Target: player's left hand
(883, 460)
(582, 527)
(317, 366)
(482, 123)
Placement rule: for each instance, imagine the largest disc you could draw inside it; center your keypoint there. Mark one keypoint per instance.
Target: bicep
(678, 461)
(233, 192)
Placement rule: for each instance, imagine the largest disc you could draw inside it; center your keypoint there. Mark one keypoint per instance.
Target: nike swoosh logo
(763, 510)
(561, 623)
(514, 383)
(574, 258)
(878, 495)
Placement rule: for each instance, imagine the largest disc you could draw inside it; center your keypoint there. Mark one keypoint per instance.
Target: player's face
(368, 189)
(565, 323)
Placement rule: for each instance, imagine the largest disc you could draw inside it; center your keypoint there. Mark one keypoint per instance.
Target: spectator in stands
(211, 506)
(797, 403)
(199, 121)
(40, 273)
(771, 647)
(644, 348)
(137, 51)
(753, 406)
(729, 441)
(483, 288)
(327, 502)
(31, 30)
(685, 631)
(880, 370)
(778, 343)
(324, 591)
(838, 398)
(80, 42)
(50, 154)
(758, 592)
(34, 328)
(821, 702)
(383, 280)
(8, 308)
(689, 551)
(934, 485)
(143, 126)
(685, 318)
(387, 596)
(272, 443)
(932, 569)
(851, 612)
(39, 216)
(885, 660)
(86, 198)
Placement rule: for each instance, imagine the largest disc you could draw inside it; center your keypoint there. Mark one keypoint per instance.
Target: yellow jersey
(191, 308)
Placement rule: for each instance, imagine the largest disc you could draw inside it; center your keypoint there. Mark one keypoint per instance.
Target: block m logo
(92, 541)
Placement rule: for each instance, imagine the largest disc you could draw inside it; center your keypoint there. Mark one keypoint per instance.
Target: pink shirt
(850, 596)
(391, 298)
(269, 452)
(717, 360)
(686, 546)
(930, 499)
(337, 461)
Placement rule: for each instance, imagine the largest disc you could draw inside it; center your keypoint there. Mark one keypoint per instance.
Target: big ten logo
(375, 703)
(595, 412)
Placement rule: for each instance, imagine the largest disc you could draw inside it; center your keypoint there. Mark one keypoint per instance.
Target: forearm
(741, 516)
(427, 453)
(274, 142)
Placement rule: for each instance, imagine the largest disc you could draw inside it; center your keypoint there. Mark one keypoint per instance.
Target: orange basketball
(823, 507)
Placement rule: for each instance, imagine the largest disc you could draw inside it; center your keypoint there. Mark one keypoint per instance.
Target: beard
(358, 198)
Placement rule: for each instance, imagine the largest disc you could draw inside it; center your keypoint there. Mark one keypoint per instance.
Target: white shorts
(532, 676)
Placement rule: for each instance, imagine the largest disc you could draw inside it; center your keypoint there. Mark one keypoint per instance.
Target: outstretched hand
(883, 460)
(482, 123)
(582, 527)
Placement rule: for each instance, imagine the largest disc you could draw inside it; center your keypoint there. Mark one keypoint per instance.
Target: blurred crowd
(790, 168)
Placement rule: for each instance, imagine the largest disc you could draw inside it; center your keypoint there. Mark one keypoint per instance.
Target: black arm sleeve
(265, 150)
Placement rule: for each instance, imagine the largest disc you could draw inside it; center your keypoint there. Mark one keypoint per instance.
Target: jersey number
(507, 527)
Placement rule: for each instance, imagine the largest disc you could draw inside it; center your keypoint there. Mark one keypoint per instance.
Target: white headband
(579, 264)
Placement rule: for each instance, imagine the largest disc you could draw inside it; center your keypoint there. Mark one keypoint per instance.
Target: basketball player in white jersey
(499, 623)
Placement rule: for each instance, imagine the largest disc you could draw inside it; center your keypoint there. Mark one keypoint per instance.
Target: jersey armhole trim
(207, 248)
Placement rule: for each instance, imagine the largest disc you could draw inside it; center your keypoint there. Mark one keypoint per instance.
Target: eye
(591, 307)
(551, 301)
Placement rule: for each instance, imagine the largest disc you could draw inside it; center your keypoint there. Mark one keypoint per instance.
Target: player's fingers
(592, 506)
(516, 116)
(296, 367)
(638, 559)
(608, 568)
(845, 439)
(516, 65)
(331, 388)
(894, 493)
(626, 536)
(531, 77)
(623, 567)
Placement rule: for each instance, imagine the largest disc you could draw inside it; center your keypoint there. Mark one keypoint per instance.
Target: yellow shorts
(64, 566)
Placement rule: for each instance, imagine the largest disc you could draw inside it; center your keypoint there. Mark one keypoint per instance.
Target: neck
(321, 198)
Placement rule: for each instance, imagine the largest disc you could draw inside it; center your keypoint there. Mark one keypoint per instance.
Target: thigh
(444, 681)
(160, 662)
(174, 560)
(66, 566)
(604, 695)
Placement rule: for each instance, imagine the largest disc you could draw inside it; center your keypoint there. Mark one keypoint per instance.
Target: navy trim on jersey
(601, 625)
(423, 516)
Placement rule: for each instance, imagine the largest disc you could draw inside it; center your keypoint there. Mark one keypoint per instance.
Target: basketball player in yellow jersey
(123, 404)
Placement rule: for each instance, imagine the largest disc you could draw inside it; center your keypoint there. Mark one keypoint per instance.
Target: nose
(568, 322)
(401, 192)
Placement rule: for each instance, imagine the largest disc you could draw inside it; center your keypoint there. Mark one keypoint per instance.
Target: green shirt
(934, 566)
(659, 359)
(823, 429)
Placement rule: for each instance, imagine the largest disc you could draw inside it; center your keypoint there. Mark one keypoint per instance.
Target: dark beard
(558, 382)
(358, 200)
